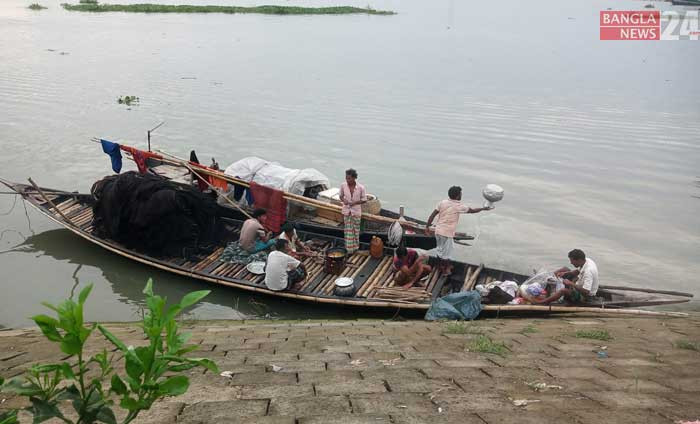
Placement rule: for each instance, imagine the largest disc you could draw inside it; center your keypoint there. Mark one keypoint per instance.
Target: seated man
(297, 248)
(253, 236)
(409, 267)
(283, 271)
(579, 283)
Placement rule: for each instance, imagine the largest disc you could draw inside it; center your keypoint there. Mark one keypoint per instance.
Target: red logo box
(630, 25)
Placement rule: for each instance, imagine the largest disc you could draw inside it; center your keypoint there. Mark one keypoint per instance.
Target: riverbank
(564, 369)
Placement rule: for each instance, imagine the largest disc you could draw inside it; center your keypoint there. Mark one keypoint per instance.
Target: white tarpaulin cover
(274, 175)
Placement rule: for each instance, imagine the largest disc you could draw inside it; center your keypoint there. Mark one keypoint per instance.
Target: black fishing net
(152, 215)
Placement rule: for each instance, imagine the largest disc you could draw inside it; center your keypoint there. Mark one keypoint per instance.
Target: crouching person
(282, 271)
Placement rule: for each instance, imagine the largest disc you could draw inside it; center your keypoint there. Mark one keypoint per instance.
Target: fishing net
(150, 214)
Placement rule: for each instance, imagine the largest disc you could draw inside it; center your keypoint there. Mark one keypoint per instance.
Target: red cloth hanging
(273, 201)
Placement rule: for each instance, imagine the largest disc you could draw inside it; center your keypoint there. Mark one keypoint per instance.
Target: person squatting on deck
(447, 212)
(409, 267)
(282, 271)
(579, 284)
(297, 247)
(254, 238)
(352, 195)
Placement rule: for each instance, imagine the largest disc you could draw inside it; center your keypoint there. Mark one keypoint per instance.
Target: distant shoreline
(267, 10)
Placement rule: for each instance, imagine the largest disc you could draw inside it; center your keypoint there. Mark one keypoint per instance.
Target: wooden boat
(313, 215)
(685, 2)
(373, 279)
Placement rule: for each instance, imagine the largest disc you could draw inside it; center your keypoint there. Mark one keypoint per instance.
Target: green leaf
(50, 306)
(42, 410)
(192, 298)
(134, 367)
(106, 415)
(112, 338)
(48, 327)
(148, 290)
(174, 386)
(84, 293)
(67, 370)
(182, 367)
(71, 344)
(22, 387)
(118, 385)
(130, 404)
(8, 417)
(186, 349)
(71, 393)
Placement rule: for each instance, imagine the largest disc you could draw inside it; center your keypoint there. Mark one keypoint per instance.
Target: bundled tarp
(455, 306)
(272, 174)
(152, 215)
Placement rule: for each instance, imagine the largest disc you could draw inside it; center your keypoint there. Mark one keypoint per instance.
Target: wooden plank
(212, 266)
(365, 272)
(438, 287)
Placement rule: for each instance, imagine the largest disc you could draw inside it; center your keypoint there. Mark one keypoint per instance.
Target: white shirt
(278, 263)
(293, 242)
(588, 277)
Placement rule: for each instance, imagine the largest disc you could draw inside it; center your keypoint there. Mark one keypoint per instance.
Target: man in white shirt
(283, 271)
(582, 282)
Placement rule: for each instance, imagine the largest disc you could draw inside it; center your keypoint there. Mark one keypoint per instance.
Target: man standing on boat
(448, 212)
(352, 195)
(582, 282)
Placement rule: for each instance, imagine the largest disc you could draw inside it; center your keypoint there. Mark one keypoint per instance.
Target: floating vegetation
(89, 6)
(127, 100)
(484, 344)
(36, 6)
(593, 334)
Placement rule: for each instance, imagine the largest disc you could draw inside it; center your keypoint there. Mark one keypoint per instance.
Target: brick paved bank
(418, 372)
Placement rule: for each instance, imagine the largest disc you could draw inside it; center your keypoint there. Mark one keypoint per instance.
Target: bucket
(335, 260)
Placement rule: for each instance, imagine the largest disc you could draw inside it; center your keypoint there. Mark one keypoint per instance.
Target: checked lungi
(352, 232)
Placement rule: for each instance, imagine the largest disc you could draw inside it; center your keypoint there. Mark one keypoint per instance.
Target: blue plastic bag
(455, 306)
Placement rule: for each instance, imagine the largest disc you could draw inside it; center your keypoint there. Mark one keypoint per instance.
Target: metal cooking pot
(335, 260)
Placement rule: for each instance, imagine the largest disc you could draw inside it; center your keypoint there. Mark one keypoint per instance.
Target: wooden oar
(41, 193)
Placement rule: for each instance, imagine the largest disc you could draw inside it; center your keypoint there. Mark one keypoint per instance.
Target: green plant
(593, 334)
(7, 417)
(529, 329)
(36, 6)
(152, 371)
(687, 344)
(461, 328)
(484, 344)
(88, 1)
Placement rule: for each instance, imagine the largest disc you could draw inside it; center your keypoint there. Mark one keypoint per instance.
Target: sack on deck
(455, 306)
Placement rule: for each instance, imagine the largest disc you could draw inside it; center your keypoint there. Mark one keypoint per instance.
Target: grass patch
(484, 344)
(529, 330)
(461, 328)
(88, 1)
(593, 334)
(268, 10)
(36, 6)
(688, 345)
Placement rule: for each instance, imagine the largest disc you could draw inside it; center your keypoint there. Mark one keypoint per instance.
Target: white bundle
(395, 234)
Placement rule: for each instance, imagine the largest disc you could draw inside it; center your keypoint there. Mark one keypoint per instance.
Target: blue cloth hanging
(115, 154)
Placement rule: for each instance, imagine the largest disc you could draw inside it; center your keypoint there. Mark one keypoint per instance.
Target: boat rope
(26, 213)
(12, 208)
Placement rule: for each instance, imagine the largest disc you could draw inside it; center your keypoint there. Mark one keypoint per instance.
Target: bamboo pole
(467, 278)
(41, 193)
(174, 160)
(544, 308)
(475, 277)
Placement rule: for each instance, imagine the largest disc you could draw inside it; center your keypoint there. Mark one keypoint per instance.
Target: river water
(595, 143)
